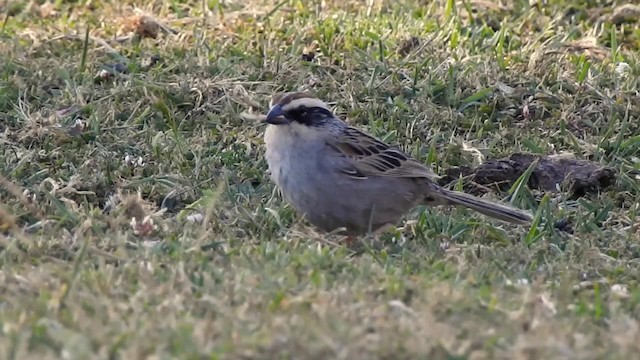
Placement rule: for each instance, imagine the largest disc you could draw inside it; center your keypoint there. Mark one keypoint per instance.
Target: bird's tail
(486, 207)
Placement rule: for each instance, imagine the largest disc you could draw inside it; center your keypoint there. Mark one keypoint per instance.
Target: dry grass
(145, 117)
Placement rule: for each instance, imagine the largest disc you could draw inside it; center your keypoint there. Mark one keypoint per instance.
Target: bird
(339, 178)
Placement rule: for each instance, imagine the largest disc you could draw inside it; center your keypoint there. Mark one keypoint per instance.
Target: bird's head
(298, 109)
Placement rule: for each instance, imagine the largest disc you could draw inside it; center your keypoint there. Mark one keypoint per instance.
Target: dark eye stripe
(321, 111)
(309, 115)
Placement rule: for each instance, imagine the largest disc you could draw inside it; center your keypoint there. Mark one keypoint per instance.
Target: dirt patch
(577, 177)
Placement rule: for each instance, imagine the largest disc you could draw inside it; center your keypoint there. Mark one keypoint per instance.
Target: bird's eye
(298, 114)
(303, 115)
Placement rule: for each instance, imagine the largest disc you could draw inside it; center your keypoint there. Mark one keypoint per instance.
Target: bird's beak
(276, 116)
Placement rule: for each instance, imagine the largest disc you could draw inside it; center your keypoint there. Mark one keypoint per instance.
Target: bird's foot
(349, 240)
(408, 226)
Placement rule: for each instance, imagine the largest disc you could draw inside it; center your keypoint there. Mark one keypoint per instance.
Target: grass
(222, 268)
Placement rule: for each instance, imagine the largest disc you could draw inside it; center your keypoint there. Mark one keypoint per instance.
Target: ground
(110, 113)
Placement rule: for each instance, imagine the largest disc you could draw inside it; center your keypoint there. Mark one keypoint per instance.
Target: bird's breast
(289, 159)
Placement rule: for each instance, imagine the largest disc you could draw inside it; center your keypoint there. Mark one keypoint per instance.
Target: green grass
(253, 281)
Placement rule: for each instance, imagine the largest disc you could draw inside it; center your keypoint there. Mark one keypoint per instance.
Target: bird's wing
(369, 156)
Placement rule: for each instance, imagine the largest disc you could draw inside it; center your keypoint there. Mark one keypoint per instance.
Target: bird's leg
(408, 226)
(382, 229)
(350, 240)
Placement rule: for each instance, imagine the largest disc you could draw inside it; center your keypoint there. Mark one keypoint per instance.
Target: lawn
(138, 220)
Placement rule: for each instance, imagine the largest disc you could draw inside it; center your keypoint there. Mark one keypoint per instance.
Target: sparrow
(339, 177)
